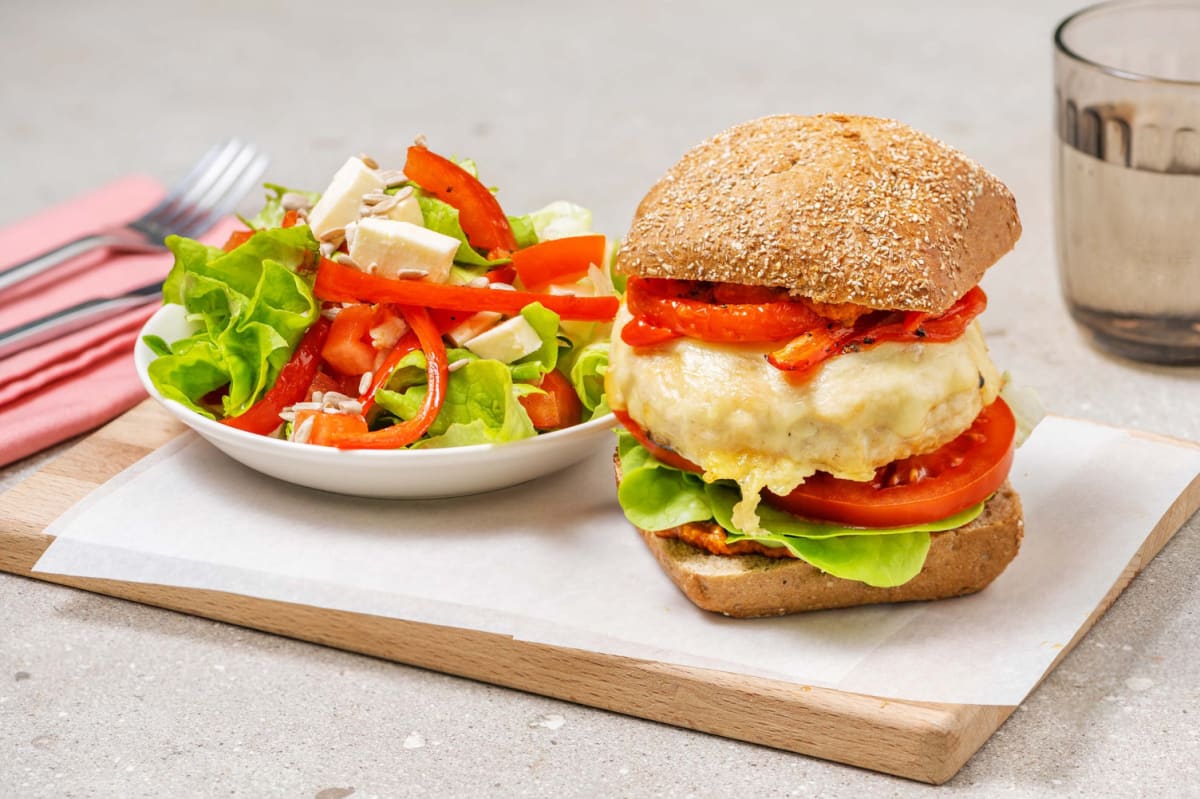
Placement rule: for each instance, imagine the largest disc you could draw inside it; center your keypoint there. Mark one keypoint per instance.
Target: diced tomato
(559, 407)
(479, 213)
(348, 349)
(558, 260)
(923, 488)
(236, 239)
(325, 428)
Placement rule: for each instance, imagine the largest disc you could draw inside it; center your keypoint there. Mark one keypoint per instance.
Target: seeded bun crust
(960, 561)
(835, 208)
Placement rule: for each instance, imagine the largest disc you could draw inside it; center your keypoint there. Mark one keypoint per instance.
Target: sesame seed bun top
(835, 208)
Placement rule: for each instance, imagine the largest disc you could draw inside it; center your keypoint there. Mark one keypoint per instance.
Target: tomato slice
(559, 407)
(668, 456)
(922, 488)
(690, 308)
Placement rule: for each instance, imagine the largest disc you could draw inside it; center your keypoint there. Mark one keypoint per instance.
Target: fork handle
(75, 318)
(19, 273)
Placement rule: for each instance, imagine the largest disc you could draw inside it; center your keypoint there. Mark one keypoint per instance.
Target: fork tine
(198, 175)
(188, 180)
(171, 216)
(247, 160)
(225, 203)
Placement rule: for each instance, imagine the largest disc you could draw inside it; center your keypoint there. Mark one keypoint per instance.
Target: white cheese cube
(394, 249)
(472, 326)
(506, 342)
(407, 210)
(339, 204)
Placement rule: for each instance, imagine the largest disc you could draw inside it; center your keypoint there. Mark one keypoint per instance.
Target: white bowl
(396, 474)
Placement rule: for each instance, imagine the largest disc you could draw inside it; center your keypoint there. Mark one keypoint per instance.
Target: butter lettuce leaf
(271, 214)
(655, 496)
(253, 305)
(481, 407)
(443, 218)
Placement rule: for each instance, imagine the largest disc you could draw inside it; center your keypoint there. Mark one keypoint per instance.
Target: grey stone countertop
(101, 697)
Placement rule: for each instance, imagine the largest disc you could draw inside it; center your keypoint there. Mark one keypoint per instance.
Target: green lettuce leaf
(443, 218)
(272, 212)
(560, 219)
(253, 306)
(655, 496)
(588, 367)
(481, 407)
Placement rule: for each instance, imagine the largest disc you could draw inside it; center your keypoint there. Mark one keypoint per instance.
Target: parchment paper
(555, 562)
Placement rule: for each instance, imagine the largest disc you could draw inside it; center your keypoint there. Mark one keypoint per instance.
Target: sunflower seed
(420, 140)
(364, 382)
(368, 160)
(303, 432)
(333, 234)
(392, 177)
(344, 258)
(379, 208)
(294, 201)
(460, 363)
(328, 248)
(410, 274)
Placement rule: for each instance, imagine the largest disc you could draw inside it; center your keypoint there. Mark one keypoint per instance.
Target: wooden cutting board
(922, 741)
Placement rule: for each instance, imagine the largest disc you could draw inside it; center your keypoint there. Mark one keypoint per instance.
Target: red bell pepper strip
(437, 373)
(290, 219)
(290, 387)
(558, 260)
(340, 283)
(407, 343)
(479, 213)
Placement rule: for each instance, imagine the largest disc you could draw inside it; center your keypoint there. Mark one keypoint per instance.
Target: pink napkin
(65, 387)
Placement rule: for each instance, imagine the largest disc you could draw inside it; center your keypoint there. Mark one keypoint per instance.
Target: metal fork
(210, 190)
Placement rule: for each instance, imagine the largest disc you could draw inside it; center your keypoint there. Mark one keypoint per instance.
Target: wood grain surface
(922, 741)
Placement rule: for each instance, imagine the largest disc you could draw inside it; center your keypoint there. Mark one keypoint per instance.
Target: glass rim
(1117, 72)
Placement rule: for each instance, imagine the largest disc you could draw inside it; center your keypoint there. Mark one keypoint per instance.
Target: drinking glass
(1127, 176)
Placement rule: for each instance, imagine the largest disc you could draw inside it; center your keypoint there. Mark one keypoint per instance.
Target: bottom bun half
(960, 561)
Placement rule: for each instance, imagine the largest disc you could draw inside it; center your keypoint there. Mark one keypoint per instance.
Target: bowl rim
(142, 356)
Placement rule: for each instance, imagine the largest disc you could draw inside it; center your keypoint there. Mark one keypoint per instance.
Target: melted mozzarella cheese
(728, 410)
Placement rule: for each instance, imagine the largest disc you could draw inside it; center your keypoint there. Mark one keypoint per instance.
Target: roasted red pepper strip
(804, 353)
(407, 343)
(558, 260)
(479, 213)
(340, 283)
(640, 333)
(437, 373)
(290, 387)
(689, 309)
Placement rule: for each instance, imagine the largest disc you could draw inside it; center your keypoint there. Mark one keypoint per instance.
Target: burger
(811, 417)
